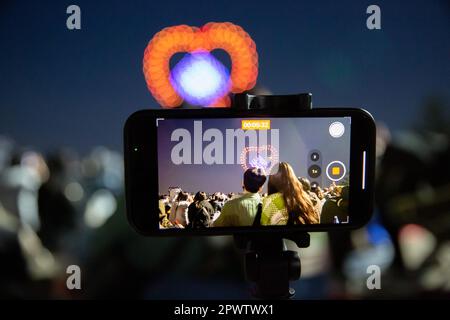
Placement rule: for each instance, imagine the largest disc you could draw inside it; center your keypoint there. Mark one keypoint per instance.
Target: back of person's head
(216, 205)
(200, 196)
(337, 191)
(305, 183)
(173, 192)
(182, 196)
(254, 179)
(297, 201)
(203, 215)
(318, 191)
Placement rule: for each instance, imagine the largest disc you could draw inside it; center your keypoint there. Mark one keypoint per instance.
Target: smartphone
(227, 171)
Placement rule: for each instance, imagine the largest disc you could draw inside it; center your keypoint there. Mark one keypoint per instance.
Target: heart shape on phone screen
(262, 157)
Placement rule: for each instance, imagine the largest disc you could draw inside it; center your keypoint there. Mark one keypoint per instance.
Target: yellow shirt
(239, 212)
(274, 210)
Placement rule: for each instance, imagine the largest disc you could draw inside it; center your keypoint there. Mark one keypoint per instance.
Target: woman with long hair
(287, 202)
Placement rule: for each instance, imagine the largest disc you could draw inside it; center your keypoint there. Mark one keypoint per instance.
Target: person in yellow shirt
(242, 211)
(287, 202)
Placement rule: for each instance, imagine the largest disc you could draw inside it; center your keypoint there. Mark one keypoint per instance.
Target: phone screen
(241, 172)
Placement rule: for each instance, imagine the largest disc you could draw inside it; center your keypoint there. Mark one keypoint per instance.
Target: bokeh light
(182, 38)
(200, 79)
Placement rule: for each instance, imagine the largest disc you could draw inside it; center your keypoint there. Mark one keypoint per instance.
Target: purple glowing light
(259, 162)
(200, 79)
(262, 157)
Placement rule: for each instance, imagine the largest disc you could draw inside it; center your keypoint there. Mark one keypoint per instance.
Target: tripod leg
(271, 269)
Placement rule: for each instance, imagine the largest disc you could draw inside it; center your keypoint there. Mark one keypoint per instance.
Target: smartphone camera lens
(314, 171)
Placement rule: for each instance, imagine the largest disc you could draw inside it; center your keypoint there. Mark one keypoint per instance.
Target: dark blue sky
(76, 88)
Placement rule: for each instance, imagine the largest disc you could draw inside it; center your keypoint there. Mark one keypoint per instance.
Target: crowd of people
(51, 208)
(289, 200)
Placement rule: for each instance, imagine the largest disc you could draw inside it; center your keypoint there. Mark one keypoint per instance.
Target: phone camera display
(222, 169)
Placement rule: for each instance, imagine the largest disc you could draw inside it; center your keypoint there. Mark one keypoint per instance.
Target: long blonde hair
(298, 203)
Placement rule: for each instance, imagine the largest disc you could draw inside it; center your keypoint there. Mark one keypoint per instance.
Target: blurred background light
(99, 208)
(416, 243)
(74, 191)
(200, 78)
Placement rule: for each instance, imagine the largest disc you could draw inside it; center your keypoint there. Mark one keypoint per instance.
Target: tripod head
(245, 101)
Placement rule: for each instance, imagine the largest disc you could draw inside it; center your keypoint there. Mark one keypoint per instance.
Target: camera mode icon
(336, 170)
(314, 171)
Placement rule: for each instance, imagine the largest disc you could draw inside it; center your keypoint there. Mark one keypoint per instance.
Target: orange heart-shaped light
(169, 41)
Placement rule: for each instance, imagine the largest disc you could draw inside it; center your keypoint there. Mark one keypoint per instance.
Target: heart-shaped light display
(262, 157)
(199, 78)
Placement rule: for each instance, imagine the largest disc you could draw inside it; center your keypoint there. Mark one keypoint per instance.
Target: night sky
(76, 88)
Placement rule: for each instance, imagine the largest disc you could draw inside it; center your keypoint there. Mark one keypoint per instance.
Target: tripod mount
(267, 262)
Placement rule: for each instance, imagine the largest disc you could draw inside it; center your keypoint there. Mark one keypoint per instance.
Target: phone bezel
(141, 168)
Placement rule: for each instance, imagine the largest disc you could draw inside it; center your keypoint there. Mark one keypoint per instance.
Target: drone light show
(199, 78)
(264, 158)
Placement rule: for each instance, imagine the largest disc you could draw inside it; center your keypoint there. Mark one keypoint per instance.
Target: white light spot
(201, 80)
(99, 208)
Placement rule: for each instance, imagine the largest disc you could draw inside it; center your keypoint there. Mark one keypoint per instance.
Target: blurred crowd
(182, 209)
(48, 207)
(60, 209)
